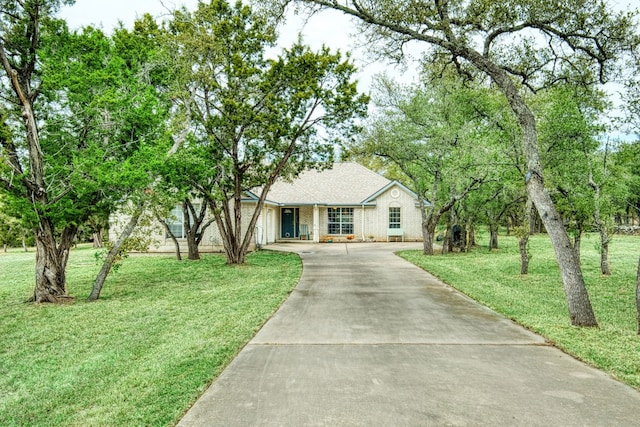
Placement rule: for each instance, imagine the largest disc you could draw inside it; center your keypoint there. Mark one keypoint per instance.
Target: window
(340, 220)
(175, 221)
(394, 217)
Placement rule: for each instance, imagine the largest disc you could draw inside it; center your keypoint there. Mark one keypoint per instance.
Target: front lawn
(142, 354)
(537, 300)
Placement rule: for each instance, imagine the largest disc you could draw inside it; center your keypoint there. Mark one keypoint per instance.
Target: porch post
(316, 224)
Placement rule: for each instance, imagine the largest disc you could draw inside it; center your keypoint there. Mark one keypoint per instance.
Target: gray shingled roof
(346, 183)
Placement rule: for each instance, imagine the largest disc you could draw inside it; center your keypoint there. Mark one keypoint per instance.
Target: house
(346, 202)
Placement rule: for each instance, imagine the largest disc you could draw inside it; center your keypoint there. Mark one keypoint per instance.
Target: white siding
(410, 217)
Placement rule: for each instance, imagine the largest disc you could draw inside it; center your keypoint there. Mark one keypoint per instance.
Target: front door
(289, 223)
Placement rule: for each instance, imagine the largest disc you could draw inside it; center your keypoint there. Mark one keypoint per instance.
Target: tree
(256, 119)
(627, 157)
(31, 185)
(140, 123)
(427, 135)
(580, 169)
(10, 230)
(523, 232)
(496, 201)
(84, 123)
(579, 42)
(503, 195)
(135, 235)
(182, 173)
(638, 295)
(568, 132)
(602, 180)
(194, 223)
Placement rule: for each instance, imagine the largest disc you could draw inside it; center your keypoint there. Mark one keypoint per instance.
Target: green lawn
(537, 300)
(144, 352)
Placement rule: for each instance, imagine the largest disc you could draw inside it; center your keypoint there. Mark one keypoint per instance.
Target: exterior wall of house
(306, 218)
(410, 217)
(376, 220)
(370, 223)
(266, 228)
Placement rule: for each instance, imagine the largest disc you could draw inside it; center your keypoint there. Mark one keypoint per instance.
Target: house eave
(371, 199)
(325, 204)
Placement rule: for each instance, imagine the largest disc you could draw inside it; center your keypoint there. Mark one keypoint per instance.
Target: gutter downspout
(363, 223)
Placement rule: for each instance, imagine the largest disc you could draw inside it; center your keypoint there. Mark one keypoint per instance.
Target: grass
(142, 354)
(537, 300)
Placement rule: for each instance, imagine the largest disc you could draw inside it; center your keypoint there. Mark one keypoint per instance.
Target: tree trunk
(604, 252)
(523, 243)
(114, 252)
(429, 223)
(493, 236)
(51, 262)
(97, 239)
(172, 236)
(638, 295)
(446, 239)
(176, 246)
(471, 236)
(523, 238)
(192, 245)
(230, 230)
(580, 310)
(577, 243)
(192, 222)
(601, 227)
(427, 246)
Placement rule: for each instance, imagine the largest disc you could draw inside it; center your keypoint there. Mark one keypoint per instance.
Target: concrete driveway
(368, 339)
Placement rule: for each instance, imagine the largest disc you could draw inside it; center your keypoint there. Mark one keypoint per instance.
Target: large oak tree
(530, 43)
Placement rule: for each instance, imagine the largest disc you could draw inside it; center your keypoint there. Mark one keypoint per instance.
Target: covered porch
(299, 222)
(321, 223)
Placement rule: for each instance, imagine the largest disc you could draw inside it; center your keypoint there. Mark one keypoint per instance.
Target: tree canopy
(80, 128)
(526, 44)
(254, 119)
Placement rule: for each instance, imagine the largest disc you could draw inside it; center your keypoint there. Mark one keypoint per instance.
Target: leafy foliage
(253, 119)
(83, 129)
(569, 137)
(439, 136)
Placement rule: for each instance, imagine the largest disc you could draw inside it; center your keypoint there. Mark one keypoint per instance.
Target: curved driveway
(368, 339)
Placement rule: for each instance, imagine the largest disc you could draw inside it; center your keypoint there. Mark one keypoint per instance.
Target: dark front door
(289, 223)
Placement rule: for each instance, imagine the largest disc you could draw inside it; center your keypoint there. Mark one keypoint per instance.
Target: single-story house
(346, 202)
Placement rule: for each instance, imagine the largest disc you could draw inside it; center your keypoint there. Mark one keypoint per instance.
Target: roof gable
(346, 183)
(391, 184)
